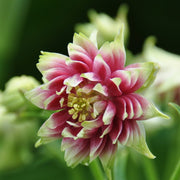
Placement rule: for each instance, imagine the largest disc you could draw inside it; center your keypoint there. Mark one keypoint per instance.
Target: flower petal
(87, 133)
(101, 89)
(53, 127)
(90, 76)
(106, 130)
(149, 110)
(98, 107)
(116, 130)
(52, 65)
(134, 106)
(121, 108)
(77, 53)
(55, 84)
(108, 153)
(71, 132)
(45, 99)
(73, 81)
(81, 40)
(109, 113)
(136, 76)
(95, 123)
(136, 137)
(145, 74)
(113, 87)
(76, 67)
(125, 77)
(76, 151)
(96, 146)
(114, 53)
(100, 68)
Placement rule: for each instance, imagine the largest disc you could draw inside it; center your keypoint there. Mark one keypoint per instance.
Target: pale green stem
(176, 173)
(96, 170)
(120, 165)
(149, 169)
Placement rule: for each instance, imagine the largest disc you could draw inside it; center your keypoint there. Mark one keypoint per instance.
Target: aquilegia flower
(167, 84)
(107, 26)
(95, 100)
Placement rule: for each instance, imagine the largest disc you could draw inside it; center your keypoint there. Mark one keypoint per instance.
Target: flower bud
(106, 26)
(16, 139)
(166, 87)
(13, 97)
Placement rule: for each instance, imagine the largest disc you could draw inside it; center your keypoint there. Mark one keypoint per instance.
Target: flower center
(81, 105)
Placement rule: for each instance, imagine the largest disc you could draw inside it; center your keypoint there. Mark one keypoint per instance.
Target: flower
(166, 87)
(107, 26)
(95, 100)
(16, 138)
(12, 96)
(18, 126)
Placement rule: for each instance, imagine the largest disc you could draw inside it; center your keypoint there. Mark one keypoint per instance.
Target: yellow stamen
(81, 105)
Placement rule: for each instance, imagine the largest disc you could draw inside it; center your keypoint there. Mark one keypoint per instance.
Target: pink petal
(135, 138)
(148, 109)
(94, 123)
(73, 81)
(53, 73)
(56, 84)
(96, 146)
(87, 133)
(125, 77)
(136, 76)
(100, 68)
(109, 113)
(113, 87)
(121, 108)
(102, 89)
(71, 132)
(114, 54)
(116, 130)
(44, 99)
(82, 41)
(52, 65)
(76, 151)
(90, 76)
(137, 106)
(106, 130)
(77, 53)
(53, 127)
(108, 152)
(125, 133)
(76, 67)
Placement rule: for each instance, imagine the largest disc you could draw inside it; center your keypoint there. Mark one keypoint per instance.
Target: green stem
(149, 169)
(96, 170)
(176, 173)
(120, 165)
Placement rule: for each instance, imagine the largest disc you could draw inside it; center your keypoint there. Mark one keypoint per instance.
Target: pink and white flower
(95, 100)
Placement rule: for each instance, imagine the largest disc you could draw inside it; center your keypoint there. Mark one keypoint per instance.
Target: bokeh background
(29, 26)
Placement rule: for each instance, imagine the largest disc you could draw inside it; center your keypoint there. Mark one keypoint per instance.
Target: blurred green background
(29, 26)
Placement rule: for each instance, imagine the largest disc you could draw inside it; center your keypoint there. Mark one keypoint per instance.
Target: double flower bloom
(95, 100)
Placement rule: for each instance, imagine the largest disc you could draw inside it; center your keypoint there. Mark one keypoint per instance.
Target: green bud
(13, 96)
(107, 27)
(166, 87)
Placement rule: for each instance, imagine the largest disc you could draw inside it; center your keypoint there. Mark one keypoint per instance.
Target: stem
(120, 165)
(96, 170)
(149, 169)
(176, 173)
